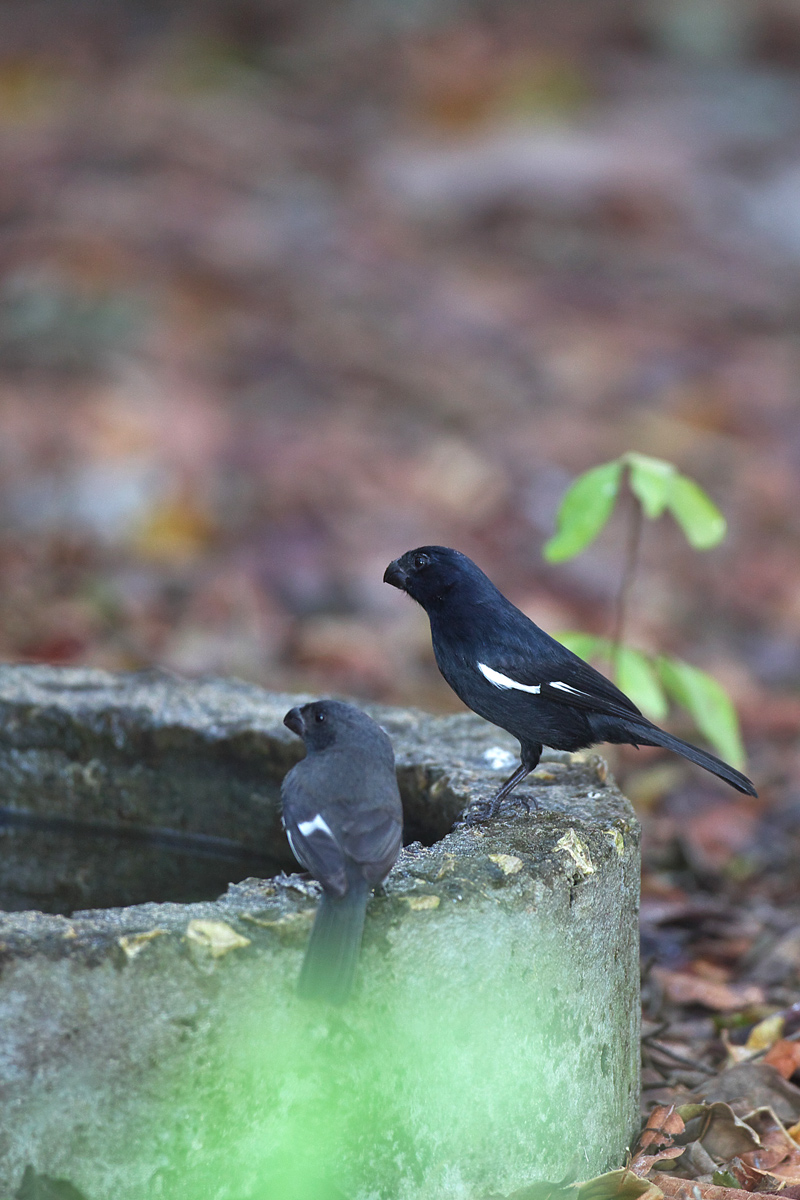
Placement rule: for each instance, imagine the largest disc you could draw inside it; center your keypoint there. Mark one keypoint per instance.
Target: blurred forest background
(290, 287)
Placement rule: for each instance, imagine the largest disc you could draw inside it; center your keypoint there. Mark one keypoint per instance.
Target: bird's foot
(486, 810)
(476, 814)
(519, 803)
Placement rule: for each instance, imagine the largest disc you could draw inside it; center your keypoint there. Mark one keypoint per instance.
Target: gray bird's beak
(395, 575)
(294, 721)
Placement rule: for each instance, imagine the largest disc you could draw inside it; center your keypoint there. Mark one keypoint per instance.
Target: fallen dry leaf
(618, 1185)
(766, 1032)
(683, 988)
(217, 937)
(748, 1177)
(722, 1134)
(644, 1163)
(689, 1189)
(752, 1085)
(422, 903)
(784, 1056)
(509, 864)
(663, 1125)
(779, 1154)
(134, 943)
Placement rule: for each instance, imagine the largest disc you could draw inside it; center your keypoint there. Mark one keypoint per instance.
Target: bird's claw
(486, 810)
(477, 814)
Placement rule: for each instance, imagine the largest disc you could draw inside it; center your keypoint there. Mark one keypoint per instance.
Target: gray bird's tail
(332, 953)
(653, 736)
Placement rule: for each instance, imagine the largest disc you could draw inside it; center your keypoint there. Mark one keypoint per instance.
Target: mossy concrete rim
(88, 716)
(494, 1025)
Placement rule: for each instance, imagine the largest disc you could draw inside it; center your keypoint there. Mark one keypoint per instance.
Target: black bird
(344, 821)
(511, 672)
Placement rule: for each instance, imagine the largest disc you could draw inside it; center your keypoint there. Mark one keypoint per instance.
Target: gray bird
(344, 821)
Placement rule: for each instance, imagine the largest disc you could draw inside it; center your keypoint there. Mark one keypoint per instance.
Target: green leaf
(726, 1179)
(585, 645)
(584, 511)
(709, 705)
(696, 513)
(636, 677)
(651, 481)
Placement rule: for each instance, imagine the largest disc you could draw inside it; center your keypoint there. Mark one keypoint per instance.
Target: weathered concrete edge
(583, 834)
(571, 800)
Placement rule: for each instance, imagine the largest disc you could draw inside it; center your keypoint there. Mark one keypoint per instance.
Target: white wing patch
(503, 681)
(318, 822)
(564, 687)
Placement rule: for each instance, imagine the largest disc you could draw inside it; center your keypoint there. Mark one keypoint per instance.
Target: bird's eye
(420, 561)
(319, 715)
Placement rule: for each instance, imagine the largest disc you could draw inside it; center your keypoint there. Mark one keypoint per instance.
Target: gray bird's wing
(372, 837)
(312, 833)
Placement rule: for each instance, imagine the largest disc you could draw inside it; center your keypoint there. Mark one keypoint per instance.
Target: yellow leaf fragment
(420, 903)
(509, 864)
(766, 1033)
(577, 851)
(134, 943)
(217, 937)
(288, 921)
(617, 841)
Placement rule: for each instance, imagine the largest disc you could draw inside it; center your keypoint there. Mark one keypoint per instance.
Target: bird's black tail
(332, 954)
(651, 735)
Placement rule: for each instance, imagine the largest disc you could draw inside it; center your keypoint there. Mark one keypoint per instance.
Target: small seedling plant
(651, 681)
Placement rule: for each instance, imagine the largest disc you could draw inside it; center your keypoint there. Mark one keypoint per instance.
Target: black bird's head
(324, 723)
(430, 573)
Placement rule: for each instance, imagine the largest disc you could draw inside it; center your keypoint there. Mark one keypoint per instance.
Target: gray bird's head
(325, 723)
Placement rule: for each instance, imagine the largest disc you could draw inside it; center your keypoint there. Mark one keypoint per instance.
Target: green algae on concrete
(160, 1050)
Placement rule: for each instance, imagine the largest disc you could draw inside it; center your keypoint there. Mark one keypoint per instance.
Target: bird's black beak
(294, 721)
(395, 575)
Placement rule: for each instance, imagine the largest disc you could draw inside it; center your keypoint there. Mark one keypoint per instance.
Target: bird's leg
(487, 808)
(529, 761)
(508, 787)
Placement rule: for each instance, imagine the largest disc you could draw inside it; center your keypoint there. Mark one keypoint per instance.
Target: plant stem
(628, 576)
